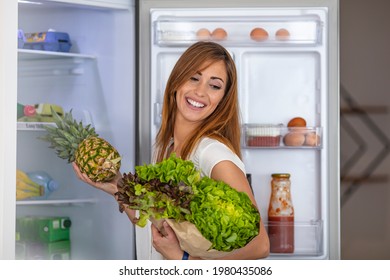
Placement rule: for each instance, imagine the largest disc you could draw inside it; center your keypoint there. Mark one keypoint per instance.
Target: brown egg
(282, 34)
(297, 122)
(312, 139)
(203, 34)
(219, 34)
(294, 139)
(259, 34)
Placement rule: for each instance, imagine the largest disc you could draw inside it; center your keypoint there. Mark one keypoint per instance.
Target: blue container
(21, 38)
(44, 179)
(48, 41)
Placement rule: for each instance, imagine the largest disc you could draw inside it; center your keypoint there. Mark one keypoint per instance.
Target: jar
(281, 215)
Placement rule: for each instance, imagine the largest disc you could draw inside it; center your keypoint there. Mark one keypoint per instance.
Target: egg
(297, 122)
(219, 34)
(294, 139)
(282, 34)
(312, 139)
(203, 34)
(259, 34)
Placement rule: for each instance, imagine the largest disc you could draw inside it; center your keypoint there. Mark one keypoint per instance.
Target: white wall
(365, 73)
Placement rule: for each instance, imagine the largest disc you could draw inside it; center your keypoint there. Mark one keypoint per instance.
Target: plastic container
(265, 135)
(21, 38)
(52, 229)
(44, 179)
(43, 228)
(47, 41)
(42, 237)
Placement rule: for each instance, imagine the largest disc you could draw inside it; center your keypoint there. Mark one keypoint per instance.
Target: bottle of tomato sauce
(281, 215)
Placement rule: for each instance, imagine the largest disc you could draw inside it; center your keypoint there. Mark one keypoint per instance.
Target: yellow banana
(22, 185)
(21, 194)
(22, 176)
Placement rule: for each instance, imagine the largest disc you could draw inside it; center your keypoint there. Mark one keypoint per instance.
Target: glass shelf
(58, 202)
(36, 126)
(82, 115)
(37, 63)
(26, 54)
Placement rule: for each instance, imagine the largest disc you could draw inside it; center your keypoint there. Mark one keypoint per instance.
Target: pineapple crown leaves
(66, 136)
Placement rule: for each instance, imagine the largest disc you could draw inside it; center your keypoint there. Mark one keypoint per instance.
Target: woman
(200, 122)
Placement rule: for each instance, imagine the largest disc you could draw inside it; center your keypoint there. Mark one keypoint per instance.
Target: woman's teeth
(195, 103)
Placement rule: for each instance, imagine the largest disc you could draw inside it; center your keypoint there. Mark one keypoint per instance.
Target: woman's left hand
(167, 244)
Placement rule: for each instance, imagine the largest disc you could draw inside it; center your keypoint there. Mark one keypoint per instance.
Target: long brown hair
(223, 124)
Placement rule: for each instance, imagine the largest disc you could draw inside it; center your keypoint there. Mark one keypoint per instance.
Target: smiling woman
(200, 122)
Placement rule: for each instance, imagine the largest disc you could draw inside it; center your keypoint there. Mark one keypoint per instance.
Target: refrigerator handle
(157, 113)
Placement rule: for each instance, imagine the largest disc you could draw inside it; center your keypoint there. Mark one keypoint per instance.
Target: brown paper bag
(190, 239)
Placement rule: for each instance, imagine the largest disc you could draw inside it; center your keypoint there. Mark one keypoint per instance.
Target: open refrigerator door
(72, 56)
(286, 59)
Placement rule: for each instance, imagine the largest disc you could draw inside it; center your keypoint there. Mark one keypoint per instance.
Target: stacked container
(43, 238)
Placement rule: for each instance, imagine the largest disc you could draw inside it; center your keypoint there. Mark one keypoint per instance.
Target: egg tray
(242, 30)
(280, 136)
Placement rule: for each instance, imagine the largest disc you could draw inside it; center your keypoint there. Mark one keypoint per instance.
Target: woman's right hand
(108, 187)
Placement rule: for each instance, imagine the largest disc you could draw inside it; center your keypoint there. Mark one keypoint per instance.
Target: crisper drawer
(307, 239)
(238, 30)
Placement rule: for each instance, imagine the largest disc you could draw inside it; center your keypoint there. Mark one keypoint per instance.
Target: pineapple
(73, 141)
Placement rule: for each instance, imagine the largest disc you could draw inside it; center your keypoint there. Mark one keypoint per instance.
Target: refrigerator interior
(279, 79)
(96, 81)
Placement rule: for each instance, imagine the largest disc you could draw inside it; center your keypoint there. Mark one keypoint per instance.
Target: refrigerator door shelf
(239, 30)
(279, 136)
(308, 239)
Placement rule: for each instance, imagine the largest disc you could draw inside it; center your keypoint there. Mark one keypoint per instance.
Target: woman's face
(198, 97)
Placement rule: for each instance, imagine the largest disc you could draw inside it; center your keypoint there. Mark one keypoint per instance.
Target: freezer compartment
(278, 136)
(307, 239)
(238, 30)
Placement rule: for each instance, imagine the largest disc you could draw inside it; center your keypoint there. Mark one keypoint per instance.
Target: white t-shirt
(209, 152)
(206, 155)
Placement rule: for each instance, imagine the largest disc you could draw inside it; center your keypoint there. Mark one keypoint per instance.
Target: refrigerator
(279, 78)
(114, 77)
